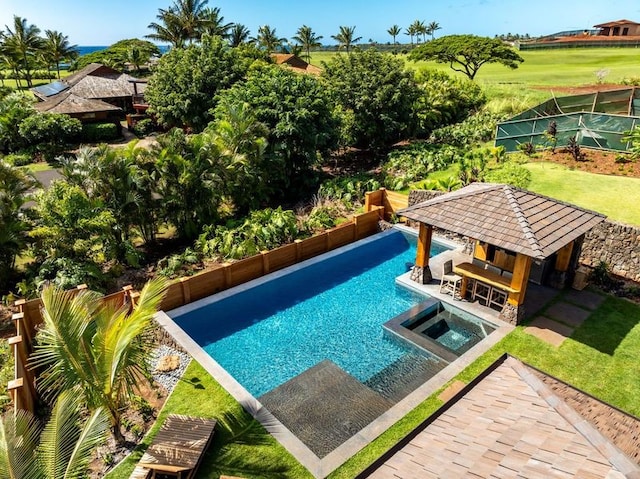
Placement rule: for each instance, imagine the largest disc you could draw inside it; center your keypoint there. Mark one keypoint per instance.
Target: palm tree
(432, 28)
(345, 38)
(11, 61)
(25, 42)
(168, 30)
(60, 450)
(183, 21)
(394, 31)
(268, 39)
(57, 48)
(411, 31)
(419, 28)
(95, 349)
(135, 58)
(238, 35)
(306, 37)
(213, 23)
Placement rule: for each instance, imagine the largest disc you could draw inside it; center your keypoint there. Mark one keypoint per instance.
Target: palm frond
(18, 440)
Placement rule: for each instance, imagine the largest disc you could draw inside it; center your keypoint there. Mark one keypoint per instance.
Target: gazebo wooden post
(563, 260)
(421, 273)
(513, 311)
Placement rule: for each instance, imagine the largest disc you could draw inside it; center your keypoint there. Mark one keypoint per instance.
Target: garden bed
(596, 161)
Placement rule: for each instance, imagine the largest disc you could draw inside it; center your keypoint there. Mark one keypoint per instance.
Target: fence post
(298, 244)
(265, 262)
(356, 229)
(227, 274)
(186, 290)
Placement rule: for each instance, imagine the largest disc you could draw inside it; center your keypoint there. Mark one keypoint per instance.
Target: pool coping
(320, 468)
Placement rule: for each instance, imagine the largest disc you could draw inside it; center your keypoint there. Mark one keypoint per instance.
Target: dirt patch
(596, 161)
(582, 89)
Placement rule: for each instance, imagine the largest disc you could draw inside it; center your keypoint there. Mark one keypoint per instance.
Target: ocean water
(86, 49)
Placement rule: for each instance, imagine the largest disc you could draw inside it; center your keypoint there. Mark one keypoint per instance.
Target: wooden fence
(189, 289)
(228, 275)
(391, 201)
(22, 388)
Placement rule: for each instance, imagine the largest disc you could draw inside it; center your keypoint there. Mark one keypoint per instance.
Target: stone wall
(418, 196)
(616, 244)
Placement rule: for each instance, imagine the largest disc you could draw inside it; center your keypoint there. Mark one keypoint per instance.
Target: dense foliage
(97, 132)
(14, 186)
(444, 100)
(14, 108)
(119, 53)
(186, 82)
(375, 88)
(467, 53)
(298, 112)
(49, 133)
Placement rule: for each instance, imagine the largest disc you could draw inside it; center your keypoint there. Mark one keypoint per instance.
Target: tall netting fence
(597, 120)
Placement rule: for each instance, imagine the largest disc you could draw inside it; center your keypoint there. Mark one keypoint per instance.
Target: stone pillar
(421, 274)
(512, 313)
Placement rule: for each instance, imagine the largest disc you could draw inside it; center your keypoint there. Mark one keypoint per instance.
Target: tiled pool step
(404, 376)
(324, 406)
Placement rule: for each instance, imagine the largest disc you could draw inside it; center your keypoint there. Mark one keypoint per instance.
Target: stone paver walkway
(585, 299)
(567, 313)
(549, 331)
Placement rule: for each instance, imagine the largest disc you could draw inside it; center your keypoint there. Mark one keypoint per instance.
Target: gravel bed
(171, 378)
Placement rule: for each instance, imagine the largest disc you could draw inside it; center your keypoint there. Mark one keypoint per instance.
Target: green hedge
(96, 132)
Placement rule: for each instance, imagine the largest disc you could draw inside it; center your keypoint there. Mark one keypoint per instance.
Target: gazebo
(512, 230)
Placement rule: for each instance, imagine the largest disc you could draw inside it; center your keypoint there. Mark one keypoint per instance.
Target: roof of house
(508, 217)
(68, 103)
(93, 81)
(506, 423)
(295, 63)
(616, 23)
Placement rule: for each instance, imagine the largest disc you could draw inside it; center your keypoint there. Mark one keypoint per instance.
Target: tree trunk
(58, 68)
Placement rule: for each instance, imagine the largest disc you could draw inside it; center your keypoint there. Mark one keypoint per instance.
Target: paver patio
(549, 331)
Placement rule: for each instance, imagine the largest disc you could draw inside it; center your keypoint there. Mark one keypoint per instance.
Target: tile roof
(506, 424)
(69, 104)
(93, 81)
(505, 216)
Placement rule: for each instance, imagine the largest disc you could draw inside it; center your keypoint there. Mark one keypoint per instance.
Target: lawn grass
(38, 167)
(600, 358)
(241, 446)
(615, 196)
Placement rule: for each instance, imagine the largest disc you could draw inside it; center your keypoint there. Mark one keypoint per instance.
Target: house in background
(619, 28)
(93, 82)
(295, 63)
(84, 109)
(620, 33)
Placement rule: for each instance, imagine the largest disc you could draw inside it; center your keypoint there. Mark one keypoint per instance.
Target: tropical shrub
(378, 91)
(50, 133)
(144, 127)
(509, 173)
(475, 129)
(299, 115)
(349, 190)
(321, 218)
(444, 100)
(14, 108)
(414, 162)
(184, 88)
(262, 230)
(18, 159)
(97, 132)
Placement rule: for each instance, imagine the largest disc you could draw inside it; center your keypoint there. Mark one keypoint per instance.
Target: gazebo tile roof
(508, 217)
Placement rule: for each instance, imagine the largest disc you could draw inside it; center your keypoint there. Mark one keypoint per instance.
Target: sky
(103, 22)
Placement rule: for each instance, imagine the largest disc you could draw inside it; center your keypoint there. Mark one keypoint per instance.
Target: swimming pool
(329, 310)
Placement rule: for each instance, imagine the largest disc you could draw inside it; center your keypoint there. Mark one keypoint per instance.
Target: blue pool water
(332, 309)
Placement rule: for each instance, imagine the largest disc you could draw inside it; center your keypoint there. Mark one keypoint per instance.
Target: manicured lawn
(241, 446)
(615, 196)
(37, 167)
(600, 359)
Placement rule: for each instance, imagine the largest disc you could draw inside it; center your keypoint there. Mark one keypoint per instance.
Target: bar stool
(481, 291)
(450, 282)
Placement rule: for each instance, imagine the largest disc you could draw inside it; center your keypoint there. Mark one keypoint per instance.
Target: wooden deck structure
(177, 449)
(513, 229)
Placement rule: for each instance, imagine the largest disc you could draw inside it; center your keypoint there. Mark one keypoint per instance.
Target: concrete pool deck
(321, 467)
